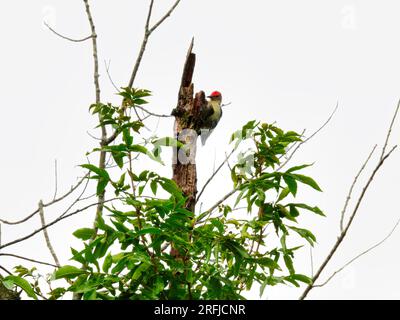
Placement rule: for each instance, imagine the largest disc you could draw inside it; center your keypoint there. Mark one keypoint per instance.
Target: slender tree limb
(95, 52)
(66, 38)
(216, 205)
(46, 234)
(156, 25)
(55, 179)
(360, 255)
(60, 218)
(154, 114)
(29, 259)
(109, 75)
(390, 130)
(47, 204)
(104, 139)
(147, 32)
(345, 230)
(342, 215)
(4, 269)
(310, 137)
(214, 174)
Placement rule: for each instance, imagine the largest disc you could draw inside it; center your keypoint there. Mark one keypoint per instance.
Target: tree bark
(186, 127)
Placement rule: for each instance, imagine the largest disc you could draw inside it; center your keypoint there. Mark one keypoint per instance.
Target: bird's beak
(208, 96)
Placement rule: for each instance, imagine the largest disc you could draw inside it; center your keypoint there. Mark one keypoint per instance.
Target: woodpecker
(211, 116)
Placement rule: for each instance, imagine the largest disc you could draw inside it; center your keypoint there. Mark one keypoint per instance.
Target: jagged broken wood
(189, 115)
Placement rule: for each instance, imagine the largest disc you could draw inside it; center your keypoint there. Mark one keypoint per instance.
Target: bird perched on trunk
(210, 115)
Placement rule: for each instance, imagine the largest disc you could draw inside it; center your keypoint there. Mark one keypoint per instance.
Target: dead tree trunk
(186, 129)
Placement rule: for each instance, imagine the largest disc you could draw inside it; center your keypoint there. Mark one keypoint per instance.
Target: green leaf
(168, 142)
(171, 187)
(118, 158)
(309, 208)
(306, 180)
(284, 193)
(107, 263)
(268, 262)
(84, 233)
(139, 270)
(148, 231)
(289, 263)
(154, 186)
(291, 183)
(23, 284)
(218, 224)
(306, 234)
(68, 272)
(100, 172)
(302, 278)
(296, 168)
(101, 185)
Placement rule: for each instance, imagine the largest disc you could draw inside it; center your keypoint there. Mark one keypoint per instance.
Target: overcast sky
(287, 61)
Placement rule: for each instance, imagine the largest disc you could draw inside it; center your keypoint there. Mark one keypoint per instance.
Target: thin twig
(28, 259)
(92, 136)
(109, 75)
(30, 235)
(344, 232)
(214, 174)
(64, 37)
(47, 204)
(352, 187)
(94, 47)
(390, 130)
(360, 255)
(147, 32)
(46, 234)
(226, 104)
(216, 205)
(154, 114)
(311, 261)
(9, 272)
(55, 179)
(169, 12)
(102, 157)
(310, 137)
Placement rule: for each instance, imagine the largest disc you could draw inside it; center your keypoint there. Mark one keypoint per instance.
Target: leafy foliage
(217, 253)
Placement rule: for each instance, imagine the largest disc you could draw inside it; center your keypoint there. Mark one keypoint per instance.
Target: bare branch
(214, 174)
(47, 204)
(207, 213)
(352, 187)
(311, 261)
(147, 32)
(55, 179)
(109, 75)
(226, 104)
(147, 25)
(360, 255)
(165, 16)
(154, 114)
(46, 235)
(30, 235)
(28, 259)
(64, 37)
(390, 130)
(4, 269)
(310, 137)
(344, 232)
(95, 55)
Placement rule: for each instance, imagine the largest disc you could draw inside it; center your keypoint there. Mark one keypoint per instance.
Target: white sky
(284, 61)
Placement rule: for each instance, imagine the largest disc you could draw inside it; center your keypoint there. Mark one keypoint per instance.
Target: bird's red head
(215, 94)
